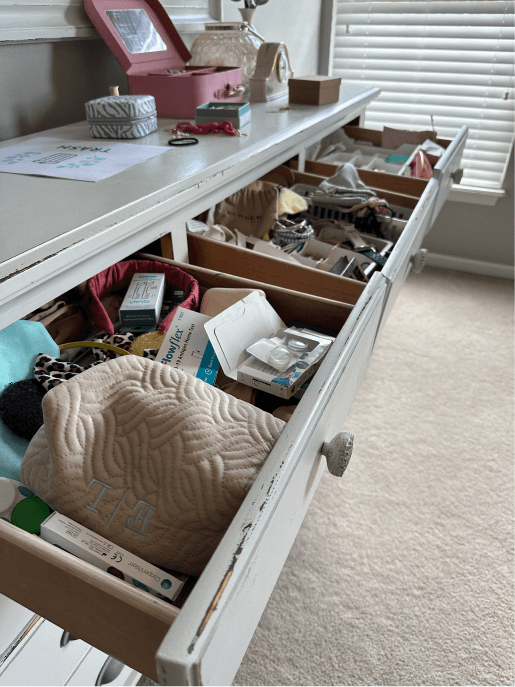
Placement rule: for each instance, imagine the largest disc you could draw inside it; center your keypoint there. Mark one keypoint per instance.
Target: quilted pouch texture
(149, 457)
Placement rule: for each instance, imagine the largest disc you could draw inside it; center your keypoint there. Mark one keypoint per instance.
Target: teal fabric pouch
(20, 343)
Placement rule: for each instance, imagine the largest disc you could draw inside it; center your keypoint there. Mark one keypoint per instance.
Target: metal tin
(236, 113)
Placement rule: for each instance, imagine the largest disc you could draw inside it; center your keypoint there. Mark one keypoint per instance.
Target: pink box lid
(148, 13)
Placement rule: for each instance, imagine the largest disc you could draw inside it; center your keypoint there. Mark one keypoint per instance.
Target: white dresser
(34, 651)
(57, 233)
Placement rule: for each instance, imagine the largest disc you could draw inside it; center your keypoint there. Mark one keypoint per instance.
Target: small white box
(141, 306)
(186, 346)
(69, 535)
(244, 324)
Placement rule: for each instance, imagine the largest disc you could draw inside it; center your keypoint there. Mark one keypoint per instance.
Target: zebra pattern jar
(122, 116)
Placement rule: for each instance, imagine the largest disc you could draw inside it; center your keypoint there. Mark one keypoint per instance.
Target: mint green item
(20, 343)
(397, 158)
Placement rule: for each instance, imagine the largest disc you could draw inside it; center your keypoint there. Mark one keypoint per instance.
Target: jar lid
(121, 107)
(29, 514)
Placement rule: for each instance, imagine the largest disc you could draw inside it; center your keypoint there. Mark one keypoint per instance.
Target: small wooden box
(314, 90)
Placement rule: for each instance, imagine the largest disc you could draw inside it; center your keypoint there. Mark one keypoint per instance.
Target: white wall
(44, 85)
(477, 232)
(293, 22)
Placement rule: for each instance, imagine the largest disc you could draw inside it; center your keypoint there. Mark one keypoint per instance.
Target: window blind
(451, 60)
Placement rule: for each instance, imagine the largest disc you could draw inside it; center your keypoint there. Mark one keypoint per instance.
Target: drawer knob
(66, 638)
(109, 671)
(457, 176)
(338, 452)
(419, 260)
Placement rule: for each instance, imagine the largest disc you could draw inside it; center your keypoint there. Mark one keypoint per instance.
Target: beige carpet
(402, 573)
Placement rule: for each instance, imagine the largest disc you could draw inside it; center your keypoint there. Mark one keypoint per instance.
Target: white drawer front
(208, 640)
(41, 660)
(14, 620)
(399, 264)
(445, 171)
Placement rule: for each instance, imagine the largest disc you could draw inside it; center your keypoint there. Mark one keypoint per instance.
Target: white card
(91, 160)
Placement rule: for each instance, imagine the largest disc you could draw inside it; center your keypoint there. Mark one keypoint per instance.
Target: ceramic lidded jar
(228, 44)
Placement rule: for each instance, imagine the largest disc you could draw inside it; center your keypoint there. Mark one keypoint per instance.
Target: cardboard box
(141, 307)
(69, 535)
(314, 90)
(244, 324)
(186, 346)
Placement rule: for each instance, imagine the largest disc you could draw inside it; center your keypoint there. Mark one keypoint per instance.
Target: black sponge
(20, 407)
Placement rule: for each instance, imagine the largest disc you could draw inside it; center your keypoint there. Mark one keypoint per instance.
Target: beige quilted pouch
(149, 457)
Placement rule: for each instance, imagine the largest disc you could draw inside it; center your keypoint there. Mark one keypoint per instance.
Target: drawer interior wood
(360, 133)
(94, 606)
(289, 304)
(242, 262)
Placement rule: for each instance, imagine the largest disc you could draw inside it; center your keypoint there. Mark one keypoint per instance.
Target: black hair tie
(187, 141)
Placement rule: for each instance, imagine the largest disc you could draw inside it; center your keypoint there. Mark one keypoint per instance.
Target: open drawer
(401, 190)
(244, 262)
(207, 642)
(418, 201)
(99, 608)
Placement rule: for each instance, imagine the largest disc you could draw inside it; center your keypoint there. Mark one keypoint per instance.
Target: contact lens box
(69, 535)
(233, 332)
(141, 306)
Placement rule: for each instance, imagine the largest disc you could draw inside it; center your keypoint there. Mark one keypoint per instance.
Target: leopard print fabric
(51, 372)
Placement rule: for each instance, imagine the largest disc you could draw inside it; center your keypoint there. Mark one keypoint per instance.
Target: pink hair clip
(183, 128)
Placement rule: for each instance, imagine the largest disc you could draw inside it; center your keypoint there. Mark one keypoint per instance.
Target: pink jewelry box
(146, 44)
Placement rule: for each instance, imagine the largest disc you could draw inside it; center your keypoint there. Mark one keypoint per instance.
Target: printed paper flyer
(79, 160)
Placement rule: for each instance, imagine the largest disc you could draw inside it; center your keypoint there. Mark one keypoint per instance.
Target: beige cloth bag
(253, 210)
(149, 457)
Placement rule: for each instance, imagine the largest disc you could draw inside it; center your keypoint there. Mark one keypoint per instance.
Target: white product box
(244, 324)
(141, 306)
(186, 346)
(69, 535)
